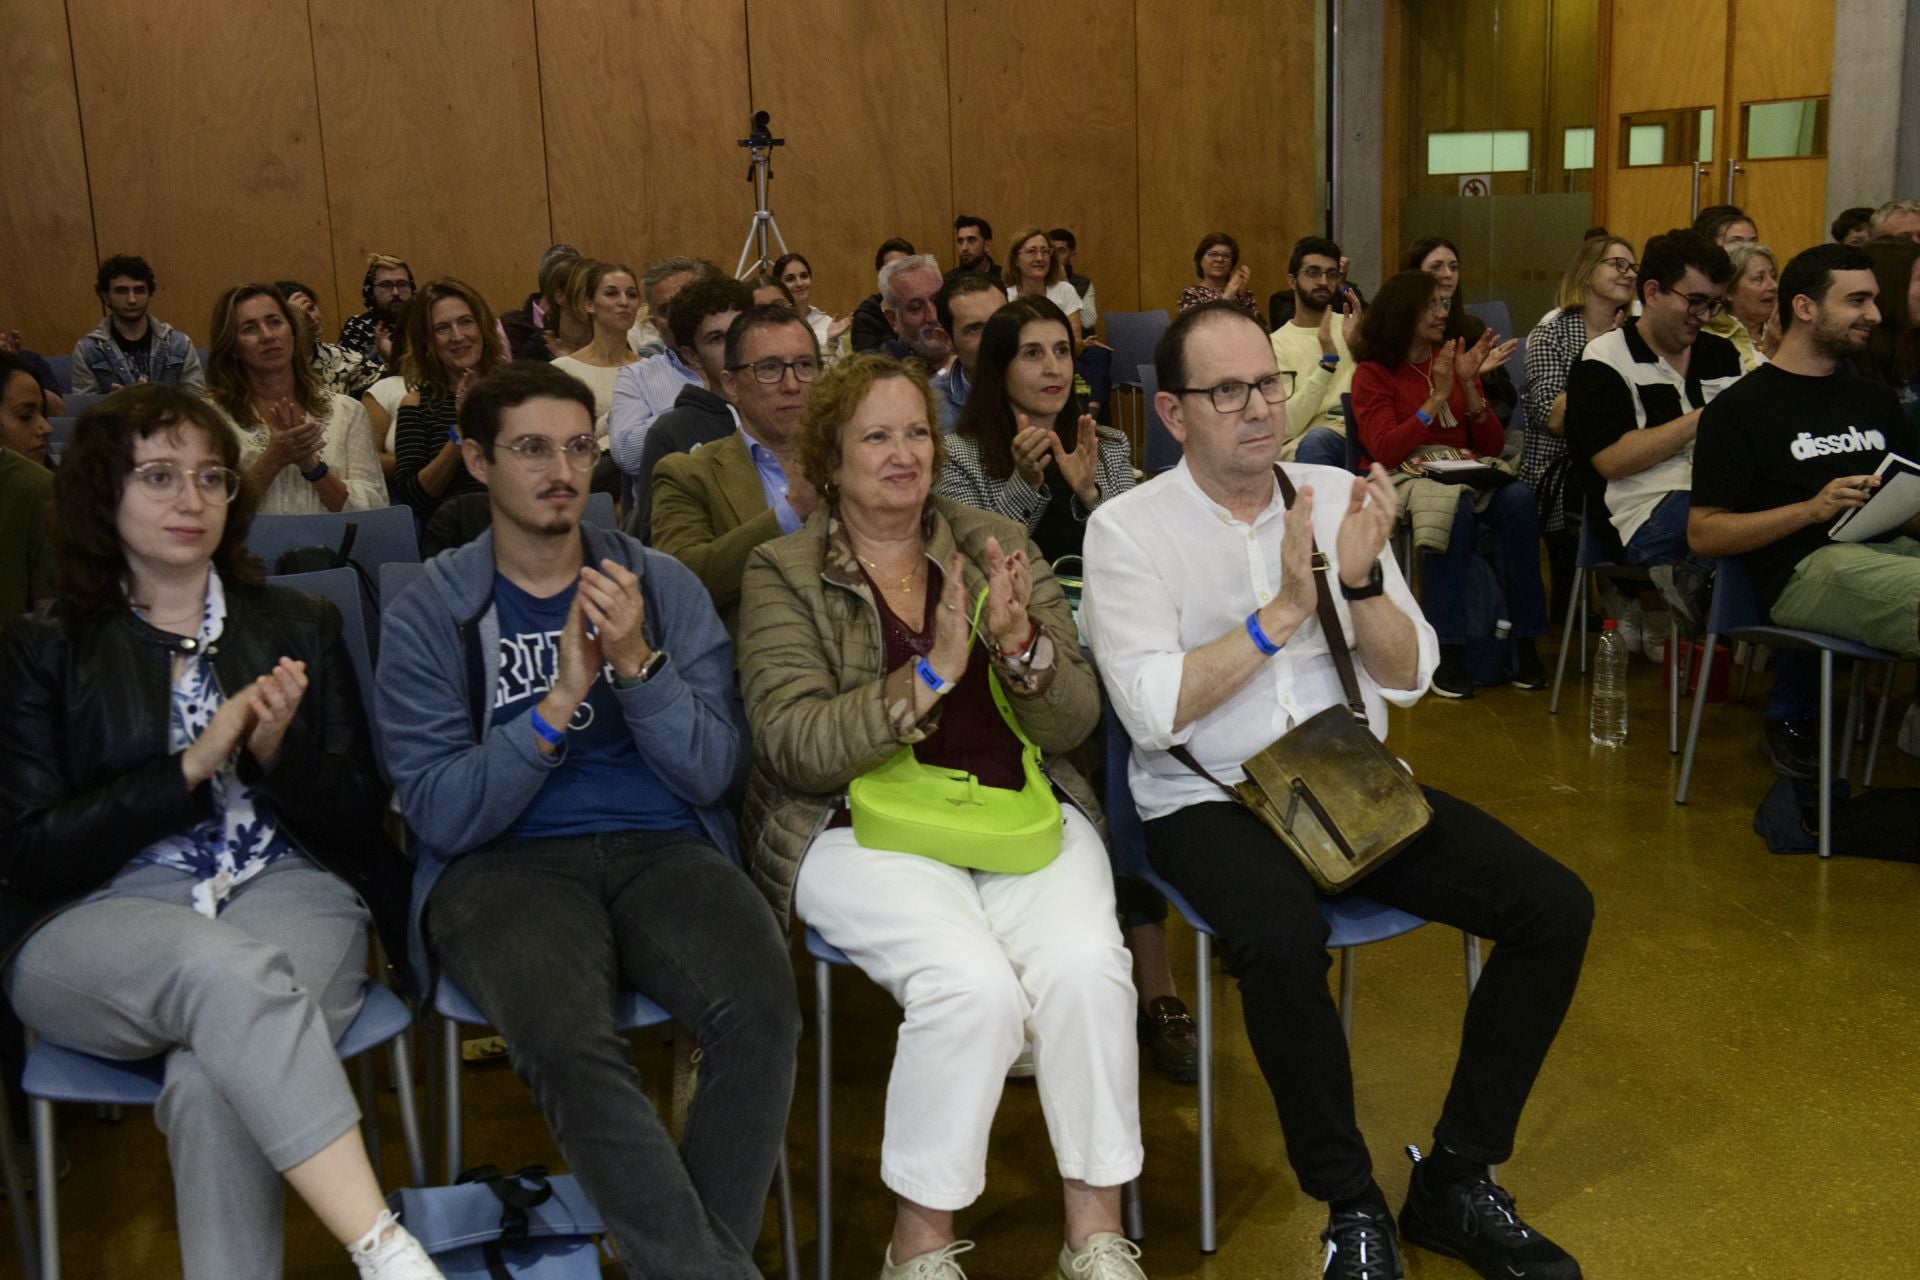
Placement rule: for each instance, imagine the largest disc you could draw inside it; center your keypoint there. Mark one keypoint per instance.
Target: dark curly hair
(89, 561)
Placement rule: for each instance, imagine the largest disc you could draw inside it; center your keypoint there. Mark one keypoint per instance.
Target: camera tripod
(759, 143)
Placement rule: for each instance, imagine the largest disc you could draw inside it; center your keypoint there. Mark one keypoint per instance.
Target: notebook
(1895, 502)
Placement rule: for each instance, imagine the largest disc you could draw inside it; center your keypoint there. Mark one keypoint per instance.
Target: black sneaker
(1360, 1246)
(1475, 1221)
(1450, 678)
(1528, 671)
(1793, 747)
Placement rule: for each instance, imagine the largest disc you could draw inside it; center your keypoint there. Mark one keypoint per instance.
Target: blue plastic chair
(81, 401)
(600, 511)
(62, 367)
(1735, 613)
(383, 535)
(1132, 335)
(1353, 923)
(395, 578)
(1589, 560)
(55, 1073)
(1494, 315)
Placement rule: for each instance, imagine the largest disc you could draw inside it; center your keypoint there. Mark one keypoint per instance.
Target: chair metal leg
(789, 1236)
(367, 1085)
(1473, 961)
(409, 1114)
(823, 1171)
(1752, 652)
(1879, 725)
(1583, 637)
(1203, 1008)
(46, 1189)
(1346, 993)
(450, 1081)
(16, 1192)
(1133, 1218)
(1674, 686)
(1574, 599)
(1693, 725)
(1826, 753)
(1851, 732)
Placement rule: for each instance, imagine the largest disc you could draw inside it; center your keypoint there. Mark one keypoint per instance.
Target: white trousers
(979, 961)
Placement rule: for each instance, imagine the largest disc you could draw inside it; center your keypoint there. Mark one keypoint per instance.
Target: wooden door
(1782, 53)
(1653, 71)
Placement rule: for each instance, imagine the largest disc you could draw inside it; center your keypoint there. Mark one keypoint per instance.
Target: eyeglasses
(770, 371)
(1440, 306)
(1232, 397)
(166, 481)
(1625, 266)
(1701, 307)
(1319, 273)
(1217, 255)
(536, 453)
(1037, 251)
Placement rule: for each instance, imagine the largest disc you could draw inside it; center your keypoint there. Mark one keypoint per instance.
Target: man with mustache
(1315, 348)
(1794, 446)
(386, 289)
(567, 779)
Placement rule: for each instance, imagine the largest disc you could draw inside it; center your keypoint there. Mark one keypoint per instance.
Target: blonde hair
(837, 395)
(227, 380)
(1010, 274)
(1575, 286)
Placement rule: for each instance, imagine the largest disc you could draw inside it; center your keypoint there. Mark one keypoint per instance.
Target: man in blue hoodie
(560, 719)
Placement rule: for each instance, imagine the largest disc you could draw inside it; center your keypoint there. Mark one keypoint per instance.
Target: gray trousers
(246, 1007)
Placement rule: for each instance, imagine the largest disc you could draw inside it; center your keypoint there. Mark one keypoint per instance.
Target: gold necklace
(906, 579)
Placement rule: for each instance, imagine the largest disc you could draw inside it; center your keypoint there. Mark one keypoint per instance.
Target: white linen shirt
(1168, 570)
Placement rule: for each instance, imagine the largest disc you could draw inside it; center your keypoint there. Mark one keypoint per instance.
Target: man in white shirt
(1315, 347)
(1200, 609)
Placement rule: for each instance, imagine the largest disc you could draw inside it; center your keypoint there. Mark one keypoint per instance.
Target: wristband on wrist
(1331, 358)
(931, 678)
(316, 475)
(453, 434)
(548, 734)
(1260, 639)
(1426, 419)
(1025, 651)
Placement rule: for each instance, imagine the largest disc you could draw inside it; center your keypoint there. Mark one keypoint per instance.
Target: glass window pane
(1459, 153)
(1776, 130)
(1577, 149)
(1647, 144)
(1510, 151)
(1706, 135)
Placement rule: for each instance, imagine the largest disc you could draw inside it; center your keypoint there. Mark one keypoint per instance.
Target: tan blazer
(709, 512)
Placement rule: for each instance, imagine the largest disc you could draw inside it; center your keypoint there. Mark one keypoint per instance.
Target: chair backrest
(1494, 315)
(384, 535)
(1517, 370)
(342, 586)
(1163, 452)
(62, 367)
(1094, 364)
(62, 436)
(1132, 335)
(600, 511)
(1353, 432)
(1734, 603)
(79, 402)
(1126, 834)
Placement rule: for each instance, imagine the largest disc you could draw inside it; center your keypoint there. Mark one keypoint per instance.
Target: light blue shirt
(950, 388)
(773, 483)
(642, 391)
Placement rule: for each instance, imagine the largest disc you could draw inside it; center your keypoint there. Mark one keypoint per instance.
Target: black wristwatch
(648, 670)
(1375, 585)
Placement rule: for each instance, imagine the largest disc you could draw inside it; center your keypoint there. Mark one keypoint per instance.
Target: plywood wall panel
(858, 89)
(637, 166)
(1656, 67)
(205, 163)
(433, 139)
(1045, 140)
(46, 214)
(1227, 139)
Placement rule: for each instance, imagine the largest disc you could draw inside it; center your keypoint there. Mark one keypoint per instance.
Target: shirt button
(1266, 596)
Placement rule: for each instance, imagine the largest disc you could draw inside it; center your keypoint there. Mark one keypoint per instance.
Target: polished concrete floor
(1734, 1093)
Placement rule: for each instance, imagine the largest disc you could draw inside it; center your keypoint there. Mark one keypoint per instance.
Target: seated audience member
(1793, 446)
(862, 644)
(1634, 403)
(1315, 351)
(382, 400)
(1892, 354)
(1750, 317)
(907, 286)
(608, 297)
(1851, 226)
(1021, 447)
(870, 329)
(129, 346)
(1899, 218)
(648, 388)
(1203, 648)
(197, 882)
(303, 450)
(574, 841)
(963, 307)
(53, 402)
(793, 270)
(1417, 396)
(715, 505)
(339, 371)
(1065, 246)
(451, 344)
(972, 248)
(769, 290)
(386, 289)
(1034, 272)
(1595, 292)
(1441, 260)
(564, 329)
(1223, 277)
(26, 493)
(522, 326)
(702, 314)
(1725, 225)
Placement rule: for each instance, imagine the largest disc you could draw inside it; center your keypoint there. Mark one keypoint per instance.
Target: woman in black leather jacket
(190, 835)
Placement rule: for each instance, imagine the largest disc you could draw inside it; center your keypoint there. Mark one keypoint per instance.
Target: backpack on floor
(1880, 823)
(515, 1226)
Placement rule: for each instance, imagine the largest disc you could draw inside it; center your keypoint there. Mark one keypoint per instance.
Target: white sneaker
(938, 1265)
(389, 1252)
(1656, 626)
(1632, 622)
(1106, 1257)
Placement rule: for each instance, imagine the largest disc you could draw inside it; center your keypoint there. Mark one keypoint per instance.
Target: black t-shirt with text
(1775, 438)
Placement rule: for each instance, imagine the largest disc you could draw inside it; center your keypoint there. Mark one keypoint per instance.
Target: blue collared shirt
(773, 483)
(951, 386)
(642, 391)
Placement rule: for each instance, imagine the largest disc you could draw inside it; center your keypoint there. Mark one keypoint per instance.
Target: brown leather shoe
(1167, 1030)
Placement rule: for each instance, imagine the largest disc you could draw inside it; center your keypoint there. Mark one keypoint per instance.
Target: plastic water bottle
(1607, 714)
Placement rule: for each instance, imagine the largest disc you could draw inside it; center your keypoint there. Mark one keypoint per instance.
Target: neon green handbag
(949, 816)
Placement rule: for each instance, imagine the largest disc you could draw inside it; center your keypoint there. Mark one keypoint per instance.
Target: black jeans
(541, 933)
(1465, 870)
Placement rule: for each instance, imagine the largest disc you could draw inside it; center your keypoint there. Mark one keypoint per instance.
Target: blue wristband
(1426, 419)
(453, 434)
(548, 734)
(929, 677)
(1260, 640)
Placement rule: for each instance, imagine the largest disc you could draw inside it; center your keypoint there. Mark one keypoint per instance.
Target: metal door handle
(1698, 169)
(1731, 170)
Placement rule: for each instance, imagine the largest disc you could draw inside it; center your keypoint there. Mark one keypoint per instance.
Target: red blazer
(1383, 404)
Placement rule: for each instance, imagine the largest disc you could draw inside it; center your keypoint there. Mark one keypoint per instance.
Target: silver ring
(953, 608)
